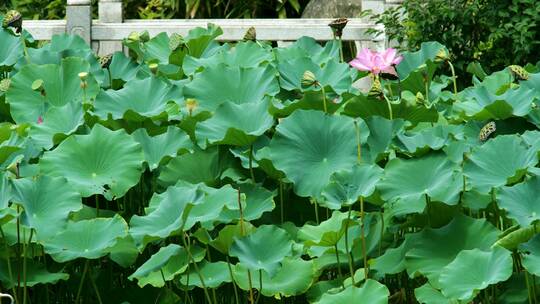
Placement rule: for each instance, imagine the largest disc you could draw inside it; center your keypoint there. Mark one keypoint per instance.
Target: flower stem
(341, 49)
(281, 211)
(324, 99)
(25, 247)
(85, 270)
(349, 258)
(339, 265)
(9, 264)
(363, 235)
(251, 163)
(390, 114)
(358, 147)
(232, 280)
(453, 77)
(190, 256)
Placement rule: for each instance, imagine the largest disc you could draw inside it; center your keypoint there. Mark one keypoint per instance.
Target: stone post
(110, 11)
(79, 19)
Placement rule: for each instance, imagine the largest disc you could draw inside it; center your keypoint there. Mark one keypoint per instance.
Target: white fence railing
(105, 33)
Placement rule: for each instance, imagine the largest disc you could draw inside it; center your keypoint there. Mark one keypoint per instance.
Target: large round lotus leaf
(531, 255)
(499, 161)
(514, 236)
(168, 262)
(407, 182)
(220, 84)
(415, 65)
(102, 162)
(246, 54)
(58, 122)
(235, 124)
(89, 239)
(162, 146)
(6, 194)
(347, 186)
(35, 274)
(123, 67)
(426, 294)
(125, 252)
(258, 201)
(10, 50)
(521, 201)
(474, 270)
(146, 97)
(228, 234)
(61, 85)
(381, 133)
(264, 249)
(425, 138)
(294, 278)
(47, 203)
(371, 292)
(334, 74)
(309, 47)
(309, 146)
(207, 211)
(427, 255)
(214, 274)
(327, 233)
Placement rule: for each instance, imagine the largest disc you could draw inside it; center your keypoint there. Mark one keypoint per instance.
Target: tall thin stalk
(251, 163)
(349, 257)
(323, 92)
(363, 235)
(10, 272)
(339, 265)
(192, 260)
(281, 207)
(79, 290)
(25, 247)
(454, 78)
(232, 280)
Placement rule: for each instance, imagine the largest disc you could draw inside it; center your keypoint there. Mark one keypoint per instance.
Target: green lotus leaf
(309, 47)
(414, 65)
(434, 138)
(406, 183)
(102, 162)
(427, 255)
(235, 124)
(125, 252)
(309, 100)
(200, 40)
(521, 201)
(157, 49)
(371, 292)
(334, 74)
(245, 54)
(294, 278)
(89, 239)
(309, 146)
(201, 166)
(364, 106)
(214, 275)
(227, 235)
(58, 123)
(531, 258)
(11, 49)
(221, 84)
(346, 187)
(36, 273)
(381, 133)
(515, 236)
(426, 294)
(47, 203)
(6, 194)
(486, 167)
(61, 85)
(163, 146)
(208, 210)
(392, 261)
(258, 201)
(327, 233)
(490, 267)
(264, 249)
(168, 262)
(146, 97)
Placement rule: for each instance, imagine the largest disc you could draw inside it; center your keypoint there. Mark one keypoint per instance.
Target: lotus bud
(519, 72)
(4, 84)
(309, 79)
(13, 19)
(176, 41)
(442, 55)
(105, 61)
(134, 36)
(153, 68)
(251, 34)
(191, 105)
(144, 36)
(83, 76)
(419, 98)
(376, 88)
(338, 25)
(14, 168)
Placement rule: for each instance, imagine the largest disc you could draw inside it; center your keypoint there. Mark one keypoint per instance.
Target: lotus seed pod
(251, 34)
(37, 85)
(487, 130)
(153, 68)
(144, 36)
(519, 72)
(4, 84)
(309, 79)
(134, 36)
(13, 19)
(83, 76)
(442, 55)
(105, 61)
(338, 25)
(376, 88)
(176, 41)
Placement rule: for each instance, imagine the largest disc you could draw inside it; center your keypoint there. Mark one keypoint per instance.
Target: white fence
(105, 33)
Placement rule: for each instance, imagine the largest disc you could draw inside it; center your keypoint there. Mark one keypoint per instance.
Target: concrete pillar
(110, 11)
(79, 19)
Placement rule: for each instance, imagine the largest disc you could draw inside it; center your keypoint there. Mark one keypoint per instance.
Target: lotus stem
(316, 206)
(389, 105)
(358, 144)
(339, 266)
(349, 258)
(426, 85)
(528, 284)
(251, 163)
(96, 290)
(190, 256)
(79, 290)
(382, 233)
(454, 78)
(323, 92)
(232, 279)
(19, 261)
(251, 300)
(281, 207)
(341, 49)
(363, 236)
(10, 272)
(25, 246)
(242, 231)
(260, 286)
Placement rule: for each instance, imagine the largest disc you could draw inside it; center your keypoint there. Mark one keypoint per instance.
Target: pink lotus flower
(377, 62)
(40, 120)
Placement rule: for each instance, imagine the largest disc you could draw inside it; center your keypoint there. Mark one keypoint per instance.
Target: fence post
(79, 19)
(110, 11)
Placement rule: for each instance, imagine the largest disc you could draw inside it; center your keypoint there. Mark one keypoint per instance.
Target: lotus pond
(192, 171)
